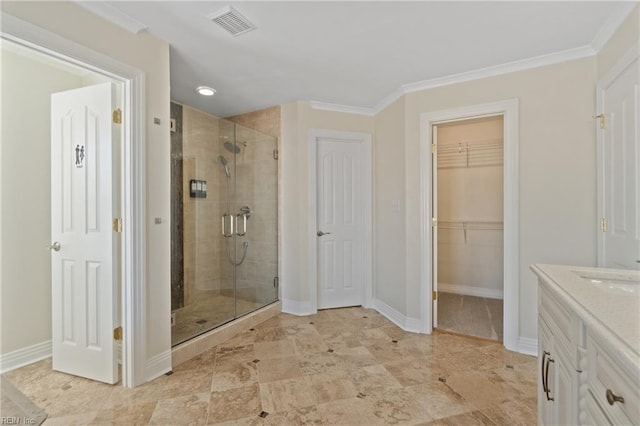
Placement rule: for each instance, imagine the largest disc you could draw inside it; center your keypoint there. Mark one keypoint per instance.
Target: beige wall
(297, 119)
(470, 189)
(557, 208)
(25, 293)
(150, 55)
(389, 220)
(627, 36)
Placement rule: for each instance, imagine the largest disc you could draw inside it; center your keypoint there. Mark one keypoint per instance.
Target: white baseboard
(295, 307)
(528, 346)
(468, 290)
(25, 356)
(158, 365)
(407, 324)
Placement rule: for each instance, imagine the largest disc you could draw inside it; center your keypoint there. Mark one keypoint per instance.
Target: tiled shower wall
(265, 120)
(202, 241)
(254, 180)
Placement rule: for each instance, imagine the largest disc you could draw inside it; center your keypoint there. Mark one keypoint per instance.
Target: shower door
(254, 210)
(228, 202)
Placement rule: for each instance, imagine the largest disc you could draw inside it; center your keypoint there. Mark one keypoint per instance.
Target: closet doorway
(468, 240)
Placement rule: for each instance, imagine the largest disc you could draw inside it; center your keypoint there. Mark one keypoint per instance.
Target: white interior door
(339, 223)
(434, 227)
(620, 168)
(84, 303)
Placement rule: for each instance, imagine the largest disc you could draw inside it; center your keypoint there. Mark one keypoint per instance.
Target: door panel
(434, 229)
(340, 218)
(84, 303)
(620, 162)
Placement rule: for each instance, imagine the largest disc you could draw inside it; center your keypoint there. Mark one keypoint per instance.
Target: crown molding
(113, 15)
(326, 106)
(507, 68)
(525, 64)
(611, 25)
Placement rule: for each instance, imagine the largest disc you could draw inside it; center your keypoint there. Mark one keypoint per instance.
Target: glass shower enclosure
(224, 221)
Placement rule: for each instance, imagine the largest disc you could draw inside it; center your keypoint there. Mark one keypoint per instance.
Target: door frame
(509, 109)
(132, 255)
(607, 80)
(365, 141)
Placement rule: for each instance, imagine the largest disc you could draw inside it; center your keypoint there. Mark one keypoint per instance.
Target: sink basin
(623, 282)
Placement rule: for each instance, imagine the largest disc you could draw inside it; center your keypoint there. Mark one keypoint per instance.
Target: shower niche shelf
(198, 188)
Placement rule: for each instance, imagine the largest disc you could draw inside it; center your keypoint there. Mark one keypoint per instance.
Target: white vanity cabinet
(558, 336)
(588, 347)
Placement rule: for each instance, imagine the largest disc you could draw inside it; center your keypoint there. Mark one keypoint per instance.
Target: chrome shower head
(232, 147)
(223, 161)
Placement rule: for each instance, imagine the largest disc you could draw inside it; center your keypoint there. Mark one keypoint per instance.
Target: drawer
(605, 374)
(564, 325)
(594, 414)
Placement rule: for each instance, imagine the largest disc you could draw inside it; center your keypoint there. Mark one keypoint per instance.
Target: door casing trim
(606, 81)
(509, 110)
(365, 140)
(133, 172)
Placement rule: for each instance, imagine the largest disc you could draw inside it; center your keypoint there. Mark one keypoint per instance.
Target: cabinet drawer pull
(612, 398)
(544, 382)
(546, 375)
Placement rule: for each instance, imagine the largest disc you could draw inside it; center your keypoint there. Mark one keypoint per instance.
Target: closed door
(83, 249)
(339, 223)
(620, 168)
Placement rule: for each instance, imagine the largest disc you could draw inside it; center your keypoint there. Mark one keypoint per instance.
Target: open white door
(340, 223)
(84, 291)
(619, 163)
(434, 224)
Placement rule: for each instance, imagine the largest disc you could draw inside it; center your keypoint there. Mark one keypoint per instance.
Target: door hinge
(117, 224)
(276, 282)
(117, 116)
(117, 333)
(434, 222)
(434, 148)
(603, 224)
(275, 154)
(434, 295)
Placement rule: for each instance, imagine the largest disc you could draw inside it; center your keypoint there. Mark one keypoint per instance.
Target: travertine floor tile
(235, 404)
(183, 410)
(285, 395)
(331, 386)
(127, 414)
(273, 369)
(338, 367)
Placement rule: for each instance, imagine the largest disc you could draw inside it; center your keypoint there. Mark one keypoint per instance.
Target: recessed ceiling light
(206, 91)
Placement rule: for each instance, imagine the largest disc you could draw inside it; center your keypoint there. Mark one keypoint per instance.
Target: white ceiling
(354, 53)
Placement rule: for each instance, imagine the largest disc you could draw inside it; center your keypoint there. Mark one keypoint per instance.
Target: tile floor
(209, 310)
(471, 315)
(340, 367)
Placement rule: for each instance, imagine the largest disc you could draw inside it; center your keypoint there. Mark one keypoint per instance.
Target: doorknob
(55, 246)
(320, 233)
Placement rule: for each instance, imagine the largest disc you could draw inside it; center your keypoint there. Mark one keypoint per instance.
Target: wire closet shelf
(474, 153)
(469, 225)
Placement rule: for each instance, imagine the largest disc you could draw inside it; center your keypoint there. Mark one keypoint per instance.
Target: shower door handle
(227, 218)
(240, 217)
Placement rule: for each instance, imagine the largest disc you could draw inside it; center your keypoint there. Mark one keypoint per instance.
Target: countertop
(609, 312)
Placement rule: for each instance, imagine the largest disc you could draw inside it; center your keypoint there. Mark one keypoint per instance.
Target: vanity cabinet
(557, 370)
(588, 351)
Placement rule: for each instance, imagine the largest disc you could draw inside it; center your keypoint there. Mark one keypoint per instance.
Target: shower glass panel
(228, 230)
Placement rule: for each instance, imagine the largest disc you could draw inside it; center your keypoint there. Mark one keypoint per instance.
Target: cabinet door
(558, 405)
(545, 348)
(561, 386)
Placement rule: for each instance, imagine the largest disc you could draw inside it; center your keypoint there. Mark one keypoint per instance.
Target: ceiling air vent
(232, 21)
